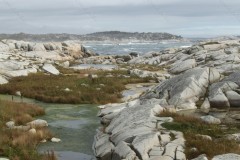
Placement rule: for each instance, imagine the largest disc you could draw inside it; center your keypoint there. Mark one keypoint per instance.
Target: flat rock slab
(51, 69)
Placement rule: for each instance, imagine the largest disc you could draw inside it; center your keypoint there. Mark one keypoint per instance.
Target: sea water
(113, 48)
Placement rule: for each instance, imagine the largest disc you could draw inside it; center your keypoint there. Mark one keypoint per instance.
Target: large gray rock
(102, 147)
(233, 98)
(183, 91)
(217, 97)
(183, 66)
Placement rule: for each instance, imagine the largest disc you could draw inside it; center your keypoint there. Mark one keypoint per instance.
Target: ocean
(107, 48)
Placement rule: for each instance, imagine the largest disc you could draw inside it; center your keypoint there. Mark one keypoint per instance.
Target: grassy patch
(191, 126)
(51, 88)
(19, 144)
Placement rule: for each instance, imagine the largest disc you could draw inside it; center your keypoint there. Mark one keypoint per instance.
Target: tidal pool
(75, 125)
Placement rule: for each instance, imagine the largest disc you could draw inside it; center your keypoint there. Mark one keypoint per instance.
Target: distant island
(98, 36)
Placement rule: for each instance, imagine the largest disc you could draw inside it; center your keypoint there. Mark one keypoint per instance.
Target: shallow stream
(75, 125)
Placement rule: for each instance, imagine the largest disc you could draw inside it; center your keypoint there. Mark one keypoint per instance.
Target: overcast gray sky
(183, 17)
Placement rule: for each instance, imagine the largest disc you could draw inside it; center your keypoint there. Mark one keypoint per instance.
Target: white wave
(185, 46)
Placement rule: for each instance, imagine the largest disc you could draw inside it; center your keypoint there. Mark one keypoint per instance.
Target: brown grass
(19, 112)
(210, 148)
(50, 88)
(18, 144)
(191, 126)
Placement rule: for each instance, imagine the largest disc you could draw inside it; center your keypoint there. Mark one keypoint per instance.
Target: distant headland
(97, 36)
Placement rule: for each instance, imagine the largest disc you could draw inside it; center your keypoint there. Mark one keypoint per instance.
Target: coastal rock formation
(19, 58)
(132, 137)
(204, 76)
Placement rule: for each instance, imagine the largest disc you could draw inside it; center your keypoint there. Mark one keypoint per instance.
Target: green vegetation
(106, 88)
(191, 126)
(18, 144)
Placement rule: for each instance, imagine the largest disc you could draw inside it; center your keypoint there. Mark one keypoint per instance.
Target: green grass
(191, 126)
(51, 88)
(19, 144)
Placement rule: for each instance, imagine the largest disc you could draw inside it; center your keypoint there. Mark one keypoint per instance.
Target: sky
(188, 18)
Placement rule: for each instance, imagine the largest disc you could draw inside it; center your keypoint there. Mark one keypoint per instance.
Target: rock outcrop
(139, 136)
(19, 58)
(204, 76)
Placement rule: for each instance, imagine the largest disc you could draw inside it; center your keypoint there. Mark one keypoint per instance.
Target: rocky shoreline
(20, 58)
(204, 76)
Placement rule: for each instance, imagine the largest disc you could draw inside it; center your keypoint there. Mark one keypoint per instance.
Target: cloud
(184, 17)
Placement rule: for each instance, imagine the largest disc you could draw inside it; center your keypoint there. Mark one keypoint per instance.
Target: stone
(180, 155)
(36, 47)
(3, 80)
(233, 98)
(210, 119)
(214, 75)
(38, 123)
(67, 90)
(123, 151)
(10, 124)
(182, 91)
(229, 156)
(143, 143)
(32, 131)
(18, 93)
(56, 140)
(183, 66)
(43, 141)
(156, 151)
(217, 97)
(170, 150)
(51, 69)
(65, 64)
(201, 157)
(205, 107)
(4, 47)
(206, 137)
(165, 138)
(102, 147)
(235, 137)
